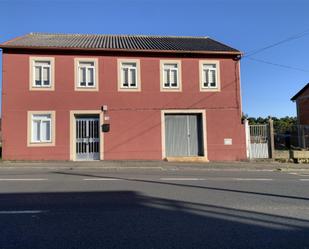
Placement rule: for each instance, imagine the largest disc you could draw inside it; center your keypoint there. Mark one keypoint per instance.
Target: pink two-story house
(120, 97)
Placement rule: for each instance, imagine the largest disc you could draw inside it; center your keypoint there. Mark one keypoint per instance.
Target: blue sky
(244, 24)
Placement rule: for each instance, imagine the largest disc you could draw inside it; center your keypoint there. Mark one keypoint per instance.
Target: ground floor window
(41, 128)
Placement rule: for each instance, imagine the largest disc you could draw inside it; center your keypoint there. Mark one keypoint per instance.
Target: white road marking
(299, 174)
(101, 179)
(22, 211)
(182, 179)
(252, 179)
(23, 179)
(303, 180)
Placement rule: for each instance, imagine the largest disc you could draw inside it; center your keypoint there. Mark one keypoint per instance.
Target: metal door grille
(87, 139)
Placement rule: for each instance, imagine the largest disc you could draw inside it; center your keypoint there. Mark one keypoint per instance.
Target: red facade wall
(135, 117)
(303, 108)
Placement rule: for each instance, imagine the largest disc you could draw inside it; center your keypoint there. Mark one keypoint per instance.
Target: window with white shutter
(86, 74)
(41, 128)
(41, 74)
(170, 75)
(209, 76)
(129, 75)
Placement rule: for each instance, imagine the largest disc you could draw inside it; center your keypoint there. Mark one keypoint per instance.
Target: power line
(278, 65)
(290, 38)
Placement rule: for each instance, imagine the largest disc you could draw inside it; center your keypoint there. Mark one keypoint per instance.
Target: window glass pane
(205, 78)
(84, 64)
(212, 78)
(125, 77)
(90, 76)
(38, 75)
(170, 66)
(133, 77)
(42, 63)
(173, 78)
(45, 130)
(209, 66)
(166, 78)
(35, 130)
(46, 75)
(82, 76)
(40, 116)
(133, 64)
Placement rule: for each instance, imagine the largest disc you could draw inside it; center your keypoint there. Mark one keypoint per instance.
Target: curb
(171, 168)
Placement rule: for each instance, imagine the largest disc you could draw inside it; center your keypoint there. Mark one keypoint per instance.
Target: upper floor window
(41, 73)
(170, 76)
(86, 74)
(209, 76)
(128, 75)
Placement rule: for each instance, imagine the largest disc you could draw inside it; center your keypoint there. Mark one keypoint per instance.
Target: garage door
(183, 135)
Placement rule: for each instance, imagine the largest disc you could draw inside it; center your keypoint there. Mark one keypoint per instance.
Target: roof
(120, 43)
(300, 92)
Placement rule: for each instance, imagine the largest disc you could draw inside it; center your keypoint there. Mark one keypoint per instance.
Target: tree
(281, 125)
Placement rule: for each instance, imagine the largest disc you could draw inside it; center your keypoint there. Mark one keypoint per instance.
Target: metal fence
(295, 137)
(258, 144)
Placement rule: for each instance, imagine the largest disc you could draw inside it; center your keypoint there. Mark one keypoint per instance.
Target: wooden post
(271, 138)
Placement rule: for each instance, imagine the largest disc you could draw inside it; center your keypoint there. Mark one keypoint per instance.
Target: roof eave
(4, 46)
(294, 98)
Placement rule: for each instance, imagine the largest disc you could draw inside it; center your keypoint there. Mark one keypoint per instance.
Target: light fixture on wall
(104, 108)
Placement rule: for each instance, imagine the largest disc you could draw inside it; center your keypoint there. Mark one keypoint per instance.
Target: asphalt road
(151, 208)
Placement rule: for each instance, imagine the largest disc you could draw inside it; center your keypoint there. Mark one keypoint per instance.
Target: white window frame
(87, 67)
(170, 70)
(129, 68)
(121, 65)
(41, 119)
(35, 62)
(170, 88)
(217, 75)
(77, 66)
(42, 66)
(52, 128)
(207, 75)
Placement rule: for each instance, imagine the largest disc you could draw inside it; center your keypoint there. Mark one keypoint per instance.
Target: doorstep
(189, 159)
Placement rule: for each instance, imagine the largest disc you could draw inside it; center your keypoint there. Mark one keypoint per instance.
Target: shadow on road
(185, 185)
(128, 219)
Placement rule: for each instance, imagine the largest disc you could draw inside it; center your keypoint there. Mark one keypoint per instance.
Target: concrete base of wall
(300, 156)
(187, 159)
(292, 155)
(282, 154)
